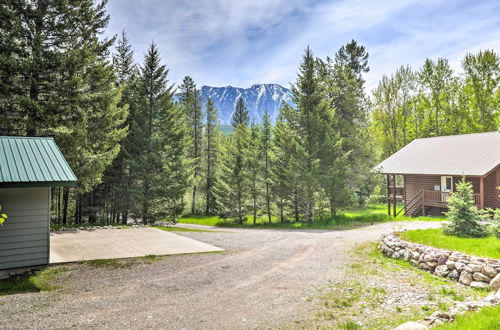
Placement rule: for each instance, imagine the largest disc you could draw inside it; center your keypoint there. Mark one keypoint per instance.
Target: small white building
(29, 167)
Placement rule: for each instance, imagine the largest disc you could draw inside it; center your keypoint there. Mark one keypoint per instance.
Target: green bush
(494, 218)
(463, 215)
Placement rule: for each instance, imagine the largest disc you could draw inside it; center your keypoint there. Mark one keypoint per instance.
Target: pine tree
(344, 90)
(307, 121)
(240, 116)
(284, 171)
(190, 99)
(211, 155)
(266, 147)
(232, 184)
(57, 81)
(112, 197)
(159, 133)
(255, 168)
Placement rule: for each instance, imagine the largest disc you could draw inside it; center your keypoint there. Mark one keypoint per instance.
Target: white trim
(444, 187)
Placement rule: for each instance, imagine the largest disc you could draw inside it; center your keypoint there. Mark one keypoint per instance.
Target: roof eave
(52, 184)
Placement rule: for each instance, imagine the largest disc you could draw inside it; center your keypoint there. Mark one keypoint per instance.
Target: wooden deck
(423, 199)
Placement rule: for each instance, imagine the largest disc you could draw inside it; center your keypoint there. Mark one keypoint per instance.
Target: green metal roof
(33, 162)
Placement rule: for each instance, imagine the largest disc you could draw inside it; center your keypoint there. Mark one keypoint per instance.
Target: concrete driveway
(120, 243)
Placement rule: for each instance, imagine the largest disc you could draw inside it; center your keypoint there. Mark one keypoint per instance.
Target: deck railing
(400, 192)
(442, 197)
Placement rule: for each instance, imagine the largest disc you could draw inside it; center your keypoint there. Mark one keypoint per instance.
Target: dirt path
(261, 281)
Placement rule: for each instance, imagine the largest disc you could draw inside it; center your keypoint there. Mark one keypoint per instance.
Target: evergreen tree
(56, 80)
(212, 156)
(190, 99)
(113, 198)
(232, 183)
(159, 132)
(307, 122)
(240, 116)
(344, 89)
(284, 171)
(255, 168)
(266, 147)
(463, 215)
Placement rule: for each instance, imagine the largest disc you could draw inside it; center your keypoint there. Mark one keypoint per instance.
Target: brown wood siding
(415, 183)
(491, 192)
(474, 180)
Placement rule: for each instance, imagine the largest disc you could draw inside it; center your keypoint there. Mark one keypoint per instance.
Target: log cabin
(428, 170)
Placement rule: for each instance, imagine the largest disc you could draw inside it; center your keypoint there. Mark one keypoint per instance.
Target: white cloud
(222, 42)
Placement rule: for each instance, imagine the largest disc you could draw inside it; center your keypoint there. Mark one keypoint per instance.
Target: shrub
(494, 217)
(3, 217)
(463, 215)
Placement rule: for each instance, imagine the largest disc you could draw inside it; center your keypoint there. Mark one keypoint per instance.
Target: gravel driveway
(262, 280)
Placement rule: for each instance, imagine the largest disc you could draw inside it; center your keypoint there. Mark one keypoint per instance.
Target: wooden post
(423, 203)
(404, 193)
(481, 193)
(394, 193)
(388, 194)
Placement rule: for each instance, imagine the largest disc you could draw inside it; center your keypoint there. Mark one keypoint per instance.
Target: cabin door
(446, 187)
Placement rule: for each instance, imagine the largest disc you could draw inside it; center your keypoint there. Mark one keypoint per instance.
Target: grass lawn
(186, 229)
(41, 281)
(381, 293)
(486, 319)
(347, 219)
(480, 247)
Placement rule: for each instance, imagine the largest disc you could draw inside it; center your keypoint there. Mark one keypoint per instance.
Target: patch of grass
(110, 263)
(481, 247)
(201, 220)
(347, 219)
(486, 319)
(379, 299)
(41, 281)
(350, 325)
(187, 229)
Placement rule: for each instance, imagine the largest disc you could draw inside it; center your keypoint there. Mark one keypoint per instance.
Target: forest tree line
(146, 150)
(434, 100)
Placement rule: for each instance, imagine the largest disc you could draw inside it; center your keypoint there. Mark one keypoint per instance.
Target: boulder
(415, 255)
(475, 268)
(495, 282)
(450, 264)
(432, 264)
(481, 277)
(411, 326)
(465, 278)
(479, 285)
(460, 266)
(454, 275)
(458, 308)
(442, 270)
(442, 259)
(489, 271)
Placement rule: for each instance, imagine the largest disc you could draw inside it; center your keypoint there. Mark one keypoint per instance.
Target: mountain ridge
(257, 98)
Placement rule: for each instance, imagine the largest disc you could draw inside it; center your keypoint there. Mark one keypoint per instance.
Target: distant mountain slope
(257, 98)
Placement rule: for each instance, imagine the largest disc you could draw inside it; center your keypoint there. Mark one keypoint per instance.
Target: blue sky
(243, 42)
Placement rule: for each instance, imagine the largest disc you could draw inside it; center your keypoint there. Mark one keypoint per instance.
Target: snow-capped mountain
(257, 98)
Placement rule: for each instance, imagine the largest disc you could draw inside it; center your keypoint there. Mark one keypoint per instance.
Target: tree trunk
(65, 205)
(296, 206)
(268, 203)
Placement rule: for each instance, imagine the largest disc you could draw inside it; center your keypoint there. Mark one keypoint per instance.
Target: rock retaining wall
(466, 269)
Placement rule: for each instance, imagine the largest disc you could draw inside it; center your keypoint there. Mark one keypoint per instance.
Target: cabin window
(446, 183)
